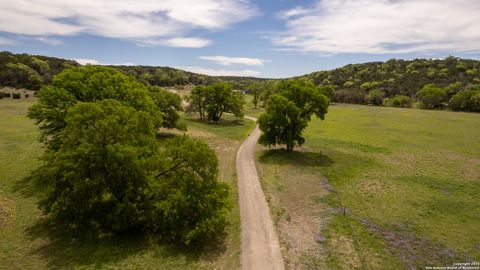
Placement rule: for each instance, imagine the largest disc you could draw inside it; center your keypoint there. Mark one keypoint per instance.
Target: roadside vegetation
(28, 244)
(377, 188)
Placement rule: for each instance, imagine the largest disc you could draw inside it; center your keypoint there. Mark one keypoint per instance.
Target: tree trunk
(289, 147)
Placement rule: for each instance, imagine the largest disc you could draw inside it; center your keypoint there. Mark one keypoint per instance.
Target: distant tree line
(449, 83)
(30, 71)
(399, 83)
(33, 71)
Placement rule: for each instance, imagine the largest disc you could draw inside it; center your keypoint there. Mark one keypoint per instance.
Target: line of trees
(423, 83)
(105, 171)
(29, 71)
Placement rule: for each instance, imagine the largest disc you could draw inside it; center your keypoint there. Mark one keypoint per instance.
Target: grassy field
(23, 245)
(378, 188)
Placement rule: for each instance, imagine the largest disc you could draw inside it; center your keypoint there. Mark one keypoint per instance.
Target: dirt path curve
(260, 247)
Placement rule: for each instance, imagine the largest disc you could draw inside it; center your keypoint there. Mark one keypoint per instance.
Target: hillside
(398, 77)
(33, 71)
(445, 83)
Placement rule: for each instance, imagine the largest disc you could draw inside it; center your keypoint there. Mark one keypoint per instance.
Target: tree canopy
(212, 101)
(86, 84)
(107, 172)
(432, 97)
(169, 104)
(289, 111)
(281, 123)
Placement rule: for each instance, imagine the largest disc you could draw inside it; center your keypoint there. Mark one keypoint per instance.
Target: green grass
(408, 179)
(26, 244)
(250, 109)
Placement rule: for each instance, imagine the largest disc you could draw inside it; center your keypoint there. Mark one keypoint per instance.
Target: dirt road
(260, 247)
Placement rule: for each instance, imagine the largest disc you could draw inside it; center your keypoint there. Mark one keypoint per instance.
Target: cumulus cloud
(222, 72)
(382, 26)
(169, 20)
(86, 61)
(227, 61)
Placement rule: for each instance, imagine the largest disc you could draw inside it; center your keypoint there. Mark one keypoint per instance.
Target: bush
(16, 95)
(355, 96)
(398, 101)
(432, 97)
(466, 100)
(8, 95)
(375, 97)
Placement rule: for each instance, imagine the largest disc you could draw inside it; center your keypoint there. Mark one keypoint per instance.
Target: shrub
(398, 101)
(466, 100)
(375, 97)
(8, 95)
(432, 97)
(17, 95)
(356, 96)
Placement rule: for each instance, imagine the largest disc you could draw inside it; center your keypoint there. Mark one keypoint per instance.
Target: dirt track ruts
(260, 246)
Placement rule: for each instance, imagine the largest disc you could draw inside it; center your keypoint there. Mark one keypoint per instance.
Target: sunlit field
(378, 188)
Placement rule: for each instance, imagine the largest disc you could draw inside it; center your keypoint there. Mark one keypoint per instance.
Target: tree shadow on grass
(222, 122)
(65, 249)
(296, 158)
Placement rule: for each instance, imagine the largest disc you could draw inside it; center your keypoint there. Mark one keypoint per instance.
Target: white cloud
(7, 41)
(292, 12)
(222, 72)
(50, 41)
(137, 20)
(86, 61)
(183, 42)
(227, 61)
(382, 26)
(187, 42)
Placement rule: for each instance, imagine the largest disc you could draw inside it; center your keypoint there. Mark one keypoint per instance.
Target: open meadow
(26, 244)
(377, 188)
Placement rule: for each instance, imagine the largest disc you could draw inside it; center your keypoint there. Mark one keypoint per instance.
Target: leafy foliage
(281, 123)
(398, 101)
(400, 78)
(306, 96)
(432, 97)
(106, 171)
(86, 84)
(28, 71)
(96, 177)
(169, 105)
(467, 100)
(288, 112)
(212, 101)
(375, 97)
(189, 203)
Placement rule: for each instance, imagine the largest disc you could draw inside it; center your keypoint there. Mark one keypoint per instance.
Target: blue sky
(268, 38)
